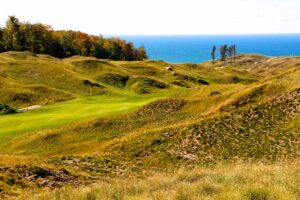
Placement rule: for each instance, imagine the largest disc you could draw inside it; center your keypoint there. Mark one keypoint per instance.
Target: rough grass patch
(92, 84)
(152, 83)
(209, 190)
(183, 77)
(257, 194)
(144, 85)
(181, 84)
(113, 79)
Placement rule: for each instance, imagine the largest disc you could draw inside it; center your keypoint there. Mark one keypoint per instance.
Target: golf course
(149, 129)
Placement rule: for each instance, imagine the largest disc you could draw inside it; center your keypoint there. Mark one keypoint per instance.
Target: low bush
(5, 109)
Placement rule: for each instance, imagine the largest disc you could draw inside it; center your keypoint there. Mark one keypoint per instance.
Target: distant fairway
(70, 111)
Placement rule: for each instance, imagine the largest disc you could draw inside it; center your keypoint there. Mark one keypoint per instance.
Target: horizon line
(206, 34)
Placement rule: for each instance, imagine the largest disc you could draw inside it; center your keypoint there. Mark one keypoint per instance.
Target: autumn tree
(97, 47)
(129, 52)
(141, 53)
(83, 43)
(40, 38)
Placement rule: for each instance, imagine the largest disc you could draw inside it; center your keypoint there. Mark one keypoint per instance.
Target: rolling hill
(110, 124)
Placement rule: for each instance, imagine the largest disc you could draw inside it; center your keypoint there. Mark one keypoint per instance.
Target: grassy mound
(55, 80)
(20, 55)
(87, 63)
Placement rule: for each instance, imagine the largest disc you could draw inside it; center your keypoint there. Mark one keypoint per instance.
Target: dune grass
(249, 181)
(193, 145)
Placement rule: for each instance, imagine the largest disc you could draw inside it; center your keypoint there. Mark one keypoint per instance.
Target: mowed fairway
(70, 111)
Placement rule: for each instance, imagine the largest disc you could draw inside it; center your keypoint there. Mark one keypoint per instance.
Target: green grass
(70, 111)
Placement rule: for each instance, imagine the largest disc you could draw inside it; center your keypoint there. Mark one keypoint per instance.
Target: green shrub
(5, 109)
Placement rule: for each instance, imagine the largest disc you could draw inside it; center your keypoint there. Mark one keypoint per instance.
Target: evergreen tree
(1, 41)
(231, 51)
(223, 52)
(213, 54)
(234, 50)
(12, 35)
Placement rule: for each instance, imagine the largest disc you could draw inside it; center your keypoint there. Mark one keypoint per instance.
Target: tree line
(41, 38)
(225, 52)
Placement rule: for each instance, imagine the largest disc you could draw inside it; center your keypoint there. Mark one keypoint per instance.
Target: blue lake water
(195, 49)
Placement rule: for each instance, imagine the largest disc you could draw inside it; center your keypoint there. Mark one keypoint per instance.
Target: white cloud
(160, 16)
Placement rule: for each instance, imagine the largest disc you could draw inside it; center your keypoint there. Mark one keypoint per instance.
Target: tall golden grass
(253, 181)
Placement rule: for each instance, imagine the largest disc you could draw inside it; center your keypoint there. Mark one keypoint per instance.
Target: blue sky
(140, 17)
